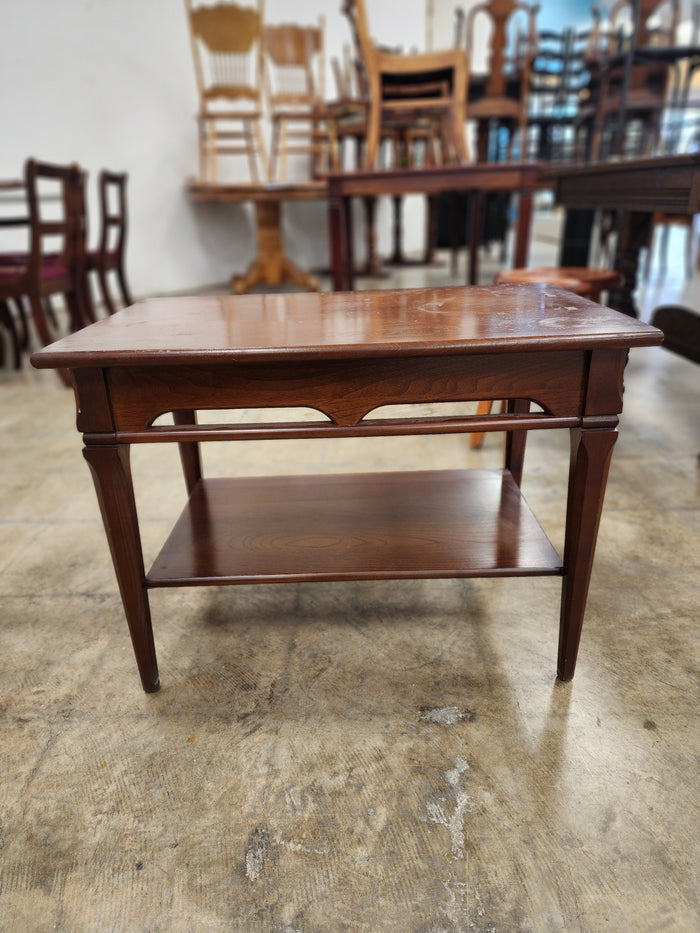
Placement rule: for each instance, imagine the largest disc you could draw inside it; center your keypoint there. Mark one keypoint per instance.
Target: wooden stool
(582, 280)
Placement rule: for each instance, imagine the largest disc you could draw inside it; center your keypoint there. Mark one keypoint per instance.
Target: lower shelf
(447, 523)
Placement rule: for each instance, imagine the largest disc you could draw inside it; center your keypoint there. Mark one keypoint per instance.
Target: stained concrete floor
(390, 756)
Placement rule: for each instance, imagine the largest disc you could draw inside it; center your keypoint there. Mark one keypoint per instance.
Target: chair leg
(283, 149)
(7, 319)
(22, 320)
(74, 303)
(50, 313)
(476, 438)
(121, 278)
(260, 148)
(88, 304)
(40, 318)
(106, 294)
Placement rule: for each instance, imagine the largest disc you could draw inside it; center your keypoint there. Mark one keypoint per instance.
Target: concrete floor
(352, 756)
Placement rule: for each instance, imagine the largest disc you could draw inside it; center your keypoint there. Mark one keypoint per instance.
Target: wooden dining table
(635, 189)
(477, 179)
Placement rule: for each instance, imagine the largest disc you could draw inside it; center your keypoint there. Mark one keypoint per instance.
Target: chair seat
(11, 271)
(52, 267)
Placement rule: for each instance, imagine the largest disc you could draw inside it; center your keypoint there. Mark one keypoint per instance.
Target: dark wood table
(346, 355)
(636, 188)
(476, 178)
(271, 265)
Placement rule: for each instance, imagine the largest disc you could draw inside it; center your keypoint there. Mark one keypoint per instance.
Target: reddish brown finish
(347, 355)
(476, 178)
(111, 472)
(278, 529)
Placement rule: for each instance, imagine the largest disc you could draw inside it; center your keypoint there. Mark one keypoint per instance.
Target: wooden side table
(345, 355)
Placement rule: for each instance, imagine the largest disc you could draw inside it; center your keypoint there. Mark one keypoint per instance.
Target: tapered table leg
(189, 450)
(516, 440)
(111, 472)
(591, 451)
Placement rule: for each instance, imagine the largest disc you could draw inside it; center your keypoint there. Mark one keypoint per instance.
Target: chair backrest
(344, 74)
(512, 39)
(656, 24)
(294, 59)
(559, 73)
(362, 41)
(425, 76)
(113, 213)
(58, 218)
(227, 50)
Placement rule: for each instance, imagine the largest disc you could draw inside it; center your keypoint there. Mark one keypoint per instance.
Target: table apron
(345, 391)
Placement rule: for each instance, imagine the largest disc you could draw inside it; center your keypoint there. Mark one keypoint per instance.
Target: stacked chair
(227, 50)
(501, 101)
(294, 58)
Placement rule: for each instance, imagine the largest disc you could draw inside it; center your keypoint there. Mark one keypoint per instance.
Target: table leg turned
(111, 472)
(591, 451)
(271, 265)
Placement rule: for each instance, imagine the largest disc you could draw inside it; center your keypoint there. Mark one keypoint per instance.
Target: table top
(346, 325)
(435, 178)
(665, 54)
(256, 191)
(656, 183)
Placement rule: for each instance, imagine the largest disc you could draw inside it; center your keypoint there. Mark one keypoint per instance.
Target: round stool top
(545, 277)
(597, 279)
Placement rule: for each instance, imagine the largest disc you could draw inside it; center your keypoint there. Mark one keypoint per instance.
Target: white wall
(110, 83)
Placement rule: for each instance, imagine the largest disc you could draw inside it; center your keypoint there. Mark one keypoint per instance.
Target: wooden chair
(348, 110)
(109, 254)
(632, 92)
(294, 58)
(13, 321)
(54, 263)
(227, 50)
(410, 89)
(501, 99)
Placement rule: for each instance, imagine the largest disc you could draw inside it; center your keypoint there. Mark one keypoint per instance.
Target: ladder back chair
(109, 255)
(226, 44)
(54, 262)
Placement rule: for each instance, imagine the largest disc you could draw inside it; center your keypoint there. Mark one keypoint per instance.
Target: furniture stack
(244, 67)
